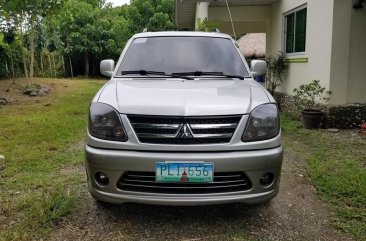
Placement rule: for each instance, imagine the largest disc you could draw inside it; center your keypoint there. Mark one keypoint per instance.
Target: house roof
(185, 10)
(253, 44)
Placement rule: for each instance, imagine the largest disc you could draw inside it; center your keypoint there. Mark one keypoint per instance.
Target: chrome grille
(145, 182)
(184, 130)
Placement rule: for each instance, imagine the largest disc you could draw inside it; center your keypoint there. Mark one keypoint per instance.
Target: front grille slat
(182, 187)
(154, 135)
(142, 176)
(155, 126)
(151, 179)
(223, 135)
(213, 126)
(227, 177)
(127, 180)
(184, 130)
(193, 184)
(145, 182)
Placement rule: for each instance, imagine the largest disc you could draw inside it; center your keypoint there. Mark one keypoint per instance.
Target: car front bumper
(115, 162)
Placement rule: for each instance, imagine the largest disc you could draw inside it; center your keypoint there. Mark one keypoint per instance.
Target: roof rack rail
(145, 30)
(217, 30)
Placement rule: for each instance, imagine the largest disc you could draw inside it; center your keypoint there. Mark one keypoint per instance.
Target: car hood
(177, 97)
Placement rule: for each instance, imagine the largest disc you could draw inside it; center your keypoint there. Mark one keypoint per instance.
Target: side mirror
(258, 67)
(107, 67)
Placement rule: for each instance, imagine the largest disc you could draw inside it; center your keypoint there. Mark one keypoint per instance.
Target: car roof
(181, 34)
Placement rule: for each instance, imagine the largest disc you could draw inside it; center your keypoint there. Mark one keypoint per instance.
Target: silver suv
(182, 122)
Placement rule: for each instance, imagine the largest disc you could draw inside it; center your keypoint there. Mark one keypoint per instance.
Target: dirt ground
(295, 214)
(13, 93)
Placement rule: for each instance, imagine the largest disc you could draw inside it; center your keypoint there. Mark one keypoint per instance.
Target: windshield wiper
(202, 73)
(148, 72)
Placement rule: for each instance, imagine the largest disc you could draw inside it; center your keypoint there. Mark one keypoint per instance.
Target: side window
(295, 30)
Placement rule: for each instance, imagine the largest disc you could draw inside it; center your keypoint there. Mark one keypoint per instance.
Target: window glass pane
(290, 33)
(183, 54)
(300, 30)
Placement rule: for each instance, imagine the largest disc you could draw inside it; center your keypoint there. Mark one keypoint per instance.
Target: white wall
(340, 50)
(318, 42)
(356, 90)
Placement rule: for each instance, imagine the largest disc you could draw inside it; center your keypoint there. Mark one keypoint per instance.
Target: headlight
(104, 123)
(263, 123)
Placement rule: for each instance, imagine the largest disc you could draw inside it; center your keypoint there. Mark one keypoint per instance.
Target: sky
(118, 2)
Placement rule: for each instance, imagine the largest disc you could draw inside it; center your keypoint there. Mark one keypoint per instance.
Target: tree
(156, 15)
(82, 32)
(87, 30)
(9, 38)
(118, 31)
(28, 15)
(159, 22)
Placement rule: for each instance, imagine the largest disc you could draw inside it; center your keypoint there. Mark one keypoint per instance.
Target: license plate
(184, 172)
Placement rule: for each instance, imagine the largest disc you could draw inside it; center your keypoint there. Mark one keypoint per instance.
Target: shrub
(276, 71)
(308, 95)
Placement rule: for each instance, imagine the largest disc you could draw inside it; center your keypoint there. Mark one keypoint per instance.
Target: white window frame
(285, 29)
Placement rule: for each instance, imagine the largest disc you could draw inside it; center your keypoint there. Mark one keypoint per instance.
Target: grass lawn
(337, 169)
(42, 141)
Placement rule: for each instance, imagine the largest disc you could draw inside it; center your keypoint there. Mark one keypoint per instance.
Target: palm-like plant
(206, 26)
(276, 71)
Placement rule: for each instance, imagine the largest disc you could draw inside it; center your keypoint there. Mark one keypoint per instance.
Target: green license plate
(184, 172)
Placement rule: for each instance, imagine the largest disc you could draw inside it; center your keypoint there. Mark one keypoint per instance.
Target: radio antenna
(231, 19)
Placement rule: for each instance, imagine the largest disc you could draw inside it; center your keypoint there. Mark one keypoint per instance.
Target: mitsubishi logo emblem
(185, 132)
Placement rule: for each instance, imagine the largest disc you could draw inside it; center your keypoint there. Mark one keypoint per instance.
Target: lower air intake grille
(145, 182)
(184, 130)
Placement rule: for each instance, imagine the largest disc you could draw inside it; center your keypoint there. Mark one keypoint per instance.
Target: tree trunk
(86, 59)
(63, 63)
(93, 66)
(72, 74)
(12, 67)
(23, 55)
(41, 57)
(6, 67)
(31, 65)
(54, 65)
(49, 63)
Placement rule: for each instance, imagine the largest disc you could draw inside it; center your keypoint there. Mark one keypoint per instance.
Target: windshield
(183, 54)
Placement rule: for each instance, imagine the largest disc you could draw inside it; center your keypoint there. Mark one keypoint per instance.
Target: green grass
(337, 169)
(42, 149)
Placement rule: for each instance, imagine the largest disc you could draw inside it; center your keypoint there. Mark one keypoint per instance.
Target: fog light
(266, 179)
(101, 178)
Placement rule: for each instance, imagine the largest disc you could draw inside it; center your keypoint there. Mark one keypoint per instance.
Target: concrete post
(201, 12)
(340, 51)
